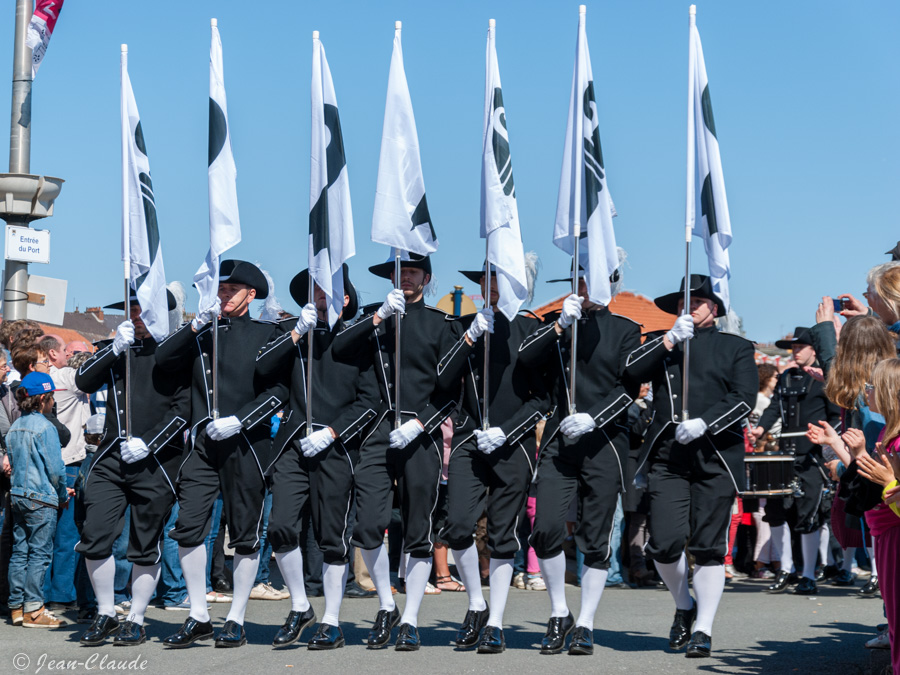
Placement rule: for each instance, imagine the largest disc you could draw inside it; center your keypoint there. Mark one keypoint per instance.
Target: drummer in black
(799, 400)
(491, 468)
(228, 453)
(315, 471)
(412, 454)
(584, 448)
(695, 462)
(138, 471)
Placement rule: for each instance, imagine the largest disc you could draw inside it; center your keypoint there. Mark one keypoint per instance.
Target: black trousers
(804, 514)
(417, 472)
(498, 481)
(112, 486)
(691, 496)
(230, 467)
(589, 469)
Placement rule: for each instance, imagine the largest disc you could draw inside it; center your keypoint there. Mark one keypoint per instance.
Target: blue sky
(805, 96)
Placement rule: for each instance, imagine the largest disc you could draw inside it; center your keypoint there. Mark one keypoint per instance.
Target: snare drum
(769, 475)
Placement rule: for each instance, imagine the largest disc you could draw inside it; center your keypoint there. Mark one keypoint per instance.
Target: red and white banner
(43, 21)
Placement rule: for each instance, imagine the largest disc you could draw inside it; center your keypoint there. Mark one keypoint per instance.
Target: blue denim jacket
(38, 471)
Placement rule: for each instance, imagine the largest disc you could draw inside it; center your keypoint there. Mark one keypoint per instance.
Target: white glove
(682, 330)
(204, 316)
(133, 451)
(490, 439)
(395, 303)
(577, 425)
(309, 317)
(571, 311)
(690, 430)
(403, 436)
(483, 322)
(316, 442)
(124, 337)
(222, 428)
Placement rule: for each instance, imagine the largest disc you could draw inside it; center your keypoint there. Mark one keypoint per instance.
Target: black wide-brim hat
(701, 287)
(894, 252)
(475, 275)
(801, 337)
(243, 272)
(299, 290)
(133, 300)
(421, 262)
(613, 278)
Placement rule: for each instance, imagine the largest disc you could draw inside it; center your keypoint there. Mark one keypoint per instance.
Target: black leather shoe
(492, 641)
(558, 627)
(190, 631)
(680, 632)
(101, 628)
(327, 637)
(385, 621)
(699, 646)
(582, 642)
(843, 578)
(467, 636)
(222, 586)
(827, 572)
(407, 639)
(130, 634)
(231, 635)
(781, 582)
(871, 587)
(806, 587)
(357, 591)
(295, 623)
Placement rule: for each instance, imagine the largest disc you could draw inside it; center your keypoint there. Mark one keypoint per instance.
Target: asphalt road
(754, 633)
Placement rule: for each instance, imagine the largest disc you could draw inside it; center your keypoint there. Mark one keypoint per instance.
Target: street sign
(24, 244)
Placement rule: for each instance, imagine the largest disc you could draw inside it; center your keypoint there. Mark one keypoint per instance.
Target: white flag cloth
(499, 213)
(40, 29)
(401, 217)
(714, 224)
(330, 217)
(584, 207)
(224, 220)
(140, 233)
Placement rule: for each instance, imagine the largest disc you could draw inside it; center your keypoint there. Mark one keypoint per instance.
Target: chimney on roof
(96, 311)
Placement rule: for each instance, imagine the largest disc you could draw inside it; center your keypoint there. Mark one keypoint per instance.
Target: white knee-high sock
(554, 572)
(849, 556)
(782, 535)
(593, 581)
(825, 554)
(291, 566)
(380, 570)
(103, 579)
(334, 579)
(871, 552)
(470, 573)
(418, 571)
(501, 576)
(810, 544)
(709, 583)
(675, 575)
(245, 569)
(143, 583)
(193, 567)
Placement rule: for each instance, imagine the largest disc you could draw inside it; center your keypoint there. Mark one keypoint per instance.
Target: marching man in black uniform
(582, 454)
(695, 463)
(316, 471)
(412, 454)
(139, 471)
(799, 400)
(492, 467)
(228, 453)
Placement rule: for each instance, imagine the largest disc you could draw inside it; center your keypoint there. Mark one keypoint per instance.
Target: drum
(769, 475)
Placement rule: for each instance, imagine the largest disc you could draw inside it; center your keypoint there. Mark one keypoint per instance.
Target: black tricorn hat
(894, 252)
(701, 287)
(801, 337)
(243, 272)
(383, 270)
(133, 300)
(299, 289)
(613, 278)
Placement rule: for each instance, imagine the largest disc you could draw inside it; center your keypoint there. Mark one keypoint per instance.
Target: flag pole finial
(692, 10)
(582, 9)
(315, 35)
(124, 49)
(214, 23)
(492, 23)
(398, 25)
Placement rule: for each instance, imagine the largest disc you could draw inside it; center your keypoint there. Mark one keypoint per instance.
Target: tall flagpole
(214, 23)
(690, 207)
(309, 335)
(397, 318)
(485, 406)
(126, 231)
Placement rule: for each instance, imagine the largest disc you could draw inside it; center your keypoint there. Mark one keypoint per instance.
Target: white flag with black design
(714, 224)
(584, 207)
(140, 233)
(499, 212)
(224, 220)
(401, 217)
(330, 217)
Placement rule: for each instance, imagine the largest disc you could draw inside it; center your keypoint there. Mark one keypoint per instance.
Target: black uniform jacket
(518, 397)
(602, 388)
(345, 395)
(160, 402)
(722, 390)
(251, 398)
(426, 334)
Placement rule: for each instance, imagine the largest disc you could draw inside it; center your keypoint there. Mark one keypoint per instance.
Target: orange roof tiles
(633, 305)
